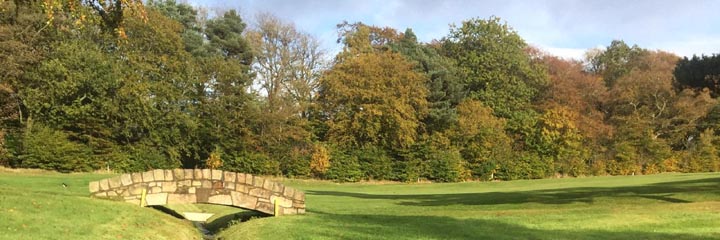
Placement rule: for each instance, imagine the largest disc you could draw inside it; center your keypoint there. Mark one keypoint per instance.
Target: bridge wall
(202, 186)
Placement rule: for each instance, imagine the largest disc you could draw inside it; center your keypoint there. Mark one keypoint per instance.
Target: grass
(33, 205)
(666, 206)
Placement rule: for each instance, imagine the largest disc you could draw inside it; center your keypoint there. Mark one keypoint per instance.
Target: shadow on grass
(434, 227)
(665, 191)
(231, 219)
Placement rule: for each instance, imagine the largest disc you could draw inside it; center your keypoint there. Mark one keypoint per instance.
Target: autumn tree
(373, 97)
(481, 138)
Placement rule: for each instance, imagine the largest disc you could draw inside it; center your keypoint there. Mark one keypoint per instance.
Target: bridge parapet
(202, 186)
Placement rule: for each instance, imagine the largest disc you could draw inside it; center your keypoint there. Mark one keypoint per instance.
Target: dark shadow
(231, 219)
(168, 211)
(659, 191)
(359, 226)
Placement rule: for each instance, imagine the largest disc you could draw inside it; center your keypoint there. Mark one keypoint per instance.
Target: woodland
(129, 86)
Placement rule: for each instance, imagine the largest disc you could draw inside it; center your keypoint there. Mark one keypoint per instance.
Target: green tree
(497, 69)
(445, 88)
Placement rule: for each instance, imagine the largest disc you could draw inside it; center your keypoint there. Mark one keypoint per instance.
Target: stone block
(114, 182)
(230, 186)
(159, 174)
(229, 177)
(278, 188)
(257, 181)
(169, 175)
(256, 192)
(169, 187)
(221, 199)
(241, 178)
(242, 200)
(181, 198)
(299, 195)
(111, 194)
(267, 184)
(179, 174)
(104, 185)
(206, 184)
(188, 173)
(196, 183)
(191, 190)
(216, 174)
(203, 194)
(297, 204)
(153, 184)
(217, 185)
(148, 176)
(289, 211)
(289, 192)
(241, 188)
(126, 179)
(136, 189)
(184, 183)
(283, 202)
(94, 187)
(155, 190)
(137, 177)
(206, 174)
(197, 174)
(300, 211)
(154, 199)
(265, 207)
(249, 179)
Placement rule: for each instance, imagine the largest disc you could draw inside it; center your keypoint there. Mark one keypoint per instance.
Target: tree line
(88, 86)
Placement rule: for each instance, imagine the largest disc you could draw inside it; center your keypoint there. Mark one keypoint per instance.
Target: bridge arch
(179, 186)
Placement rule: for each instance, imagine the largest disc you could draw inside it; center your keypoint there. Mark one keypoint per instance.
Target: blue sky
(562, 27)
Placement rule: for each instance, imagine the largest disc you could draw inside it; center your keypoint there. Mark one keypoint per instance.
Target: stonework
(202, 186)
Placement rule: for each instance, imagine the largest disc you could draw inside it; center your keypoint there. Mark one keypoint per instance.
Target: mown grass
(666, 206)
(34, 205)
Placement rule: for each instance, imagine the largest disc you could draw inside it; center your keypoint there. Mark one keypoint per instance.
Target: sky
(560, 27)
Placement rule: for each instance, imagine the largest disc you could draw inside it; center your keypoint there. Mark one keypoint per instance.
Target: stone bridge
(202, 186)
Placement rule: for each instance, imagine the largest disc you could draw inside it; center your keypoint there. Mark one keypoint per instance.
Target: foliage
(374, 98)
(50, 149)
(191, 89)
(344, 167)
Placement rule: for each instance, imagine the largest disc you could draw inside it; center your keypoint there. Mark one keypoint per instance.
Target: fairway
(665, 206)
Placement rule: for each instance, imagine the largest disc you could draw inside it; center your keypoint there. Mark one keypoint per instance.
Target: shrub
(374, 162)
(251, 162)
(319, 160)
(51, 149)
(343, 167)
(141, 157)
(446, 166)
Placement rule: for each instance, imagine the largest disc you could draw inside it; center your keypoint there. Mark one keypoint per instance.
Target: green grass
(36, 206)
(666, 206)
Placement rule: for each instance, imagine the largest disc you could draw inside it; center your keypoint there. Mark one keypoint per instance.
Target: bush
(375, 163)
(296, 163)
(251, 162)
(140, 157)
(343, 167)
(51, 149)
(446, 166)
